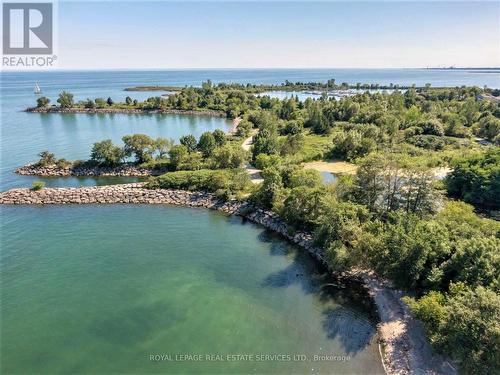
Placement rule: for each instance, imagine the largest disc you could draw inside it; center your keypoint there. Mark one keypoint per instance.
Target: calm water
(82, 295)
(100, 288)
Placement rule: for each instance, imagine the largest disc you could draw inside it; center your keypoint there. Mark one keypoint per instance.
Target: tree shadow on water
(352, 330)
(278, 246)
(298, 272)
(348, 314)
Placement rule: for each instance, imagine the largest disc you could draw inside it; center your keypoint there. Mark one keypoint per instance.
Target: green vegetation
(212, 151)
(224, 183)
(106, 154)
(476, 179)
(49, 159)
(42, 102)
(38, 185)
(65, 100)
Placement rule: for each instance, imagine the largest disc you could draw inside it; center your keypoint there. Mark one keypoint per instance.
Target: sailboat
(38, 90)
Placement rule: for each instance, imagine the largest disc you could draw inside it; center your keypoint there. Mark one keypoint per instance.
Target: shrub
(431, 127)
(63, 163)
(100, 102)
(38, 185)
(223, 182)
(89, 104)
(228, 157)
(263, 161)
(464, 325)
(244, 128)
(476, 179)
(429, 142)
(189, 141)
(46, 158)
(292, 127)
(42, 102)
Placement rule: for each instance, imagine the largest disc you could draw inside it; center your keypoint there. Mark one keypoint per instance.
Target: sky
(261, 34)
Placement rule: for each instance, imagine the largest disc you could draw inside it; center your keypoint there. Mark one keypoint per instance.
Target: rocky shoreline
(125, 170)
(56, 109)
(405, 347)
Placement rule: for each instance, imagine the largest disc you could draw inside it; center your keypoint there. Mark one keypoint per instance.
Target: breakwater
(125, 170)
(406, 349)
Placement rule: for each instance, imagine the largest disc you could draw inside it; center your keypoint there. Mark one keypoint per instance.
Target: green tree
(431, 127)
(109, 102)
(292, 127)
(162, 146)
(465, 325)
(42, 102)
(244, 128)
(488, 127)
(46, 158)
(100, 102)
(385, 183)
(106, 153)
(305, 177)
(270, 188)
(139, 145)
(128, 100)
(189, 141)
(303, 206)
(476, 262)
(476, 179)
(220, 137)
(292, 144)
(206, 144)
(89, 104)
(177, 153)
(266, 140)
(228, 157)
(316, 120)
(66, 99)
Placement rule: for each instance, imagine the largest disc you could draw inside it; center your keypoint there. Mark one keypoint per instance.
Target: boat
(38, 90)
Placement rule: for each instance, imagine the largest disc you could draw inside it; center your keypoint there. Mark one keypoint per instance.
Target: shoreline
(405, 347)
(138, 111)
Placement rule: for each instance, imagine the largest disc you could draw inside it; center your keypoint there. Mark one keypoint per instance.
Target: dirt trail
(406, 349)
(254, 173)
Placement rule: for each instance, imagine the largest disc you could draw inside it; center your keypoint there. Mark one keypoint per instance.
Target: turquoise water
(98, 289)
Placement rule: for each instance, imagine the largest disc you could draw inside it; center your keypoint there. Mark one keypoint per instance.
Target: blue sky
(277, 34)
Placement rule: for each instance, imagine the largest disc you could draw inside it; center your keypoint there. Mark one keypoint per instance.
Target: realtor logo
(27, 28)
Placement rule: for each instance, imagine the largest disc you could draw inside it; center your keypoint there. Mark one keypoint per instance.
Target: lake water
(98, 289)
(92, 289)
